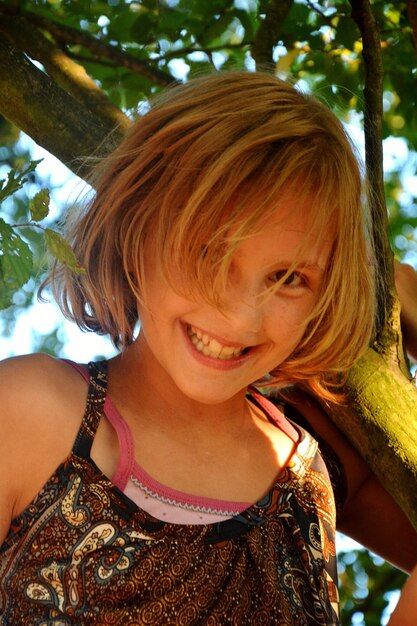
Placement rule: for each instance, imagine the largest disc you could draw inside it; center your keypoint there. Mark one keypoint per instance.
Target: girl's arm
(41, 406)
(405, 613)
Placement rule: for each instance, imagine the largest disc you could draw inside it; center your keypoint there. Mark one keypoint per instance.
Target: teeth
(227, 350)
(211, 347)
(215, 347)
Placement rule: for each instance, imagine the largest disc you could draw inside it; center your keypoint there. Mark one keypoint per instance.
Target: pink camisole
(161, 501)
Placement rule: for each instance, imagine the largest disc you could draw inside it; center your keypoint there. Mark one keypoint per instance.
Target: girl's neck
(142, 391)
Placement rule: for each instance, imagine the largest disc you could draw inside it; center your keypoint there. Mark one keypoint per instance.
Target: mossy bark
(380, 419)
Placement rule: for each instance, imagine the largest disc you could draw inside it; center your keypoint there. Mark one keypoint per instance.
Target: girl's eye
(293, 280)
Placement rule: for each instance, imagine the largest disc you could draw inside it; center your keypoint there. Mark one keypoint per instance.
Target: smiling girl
(163, 487)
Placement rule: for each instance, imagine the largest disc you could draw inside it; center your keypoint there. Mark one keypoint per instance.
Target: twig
(181, 52)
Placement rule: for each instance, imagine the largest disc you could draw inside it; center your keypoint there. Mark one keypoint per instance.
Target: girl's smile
(215, 353)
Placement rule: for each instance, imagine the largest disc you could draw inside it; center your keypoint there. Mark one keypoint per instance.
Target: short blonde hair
(172, 184)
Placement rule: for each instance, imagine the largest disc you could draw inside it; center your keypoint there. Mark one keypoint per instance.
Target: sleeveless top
(84, 553)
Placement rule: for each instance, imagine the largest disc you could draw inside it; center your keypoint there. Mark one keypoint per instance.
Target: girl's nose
(245, 316)
(243, 307)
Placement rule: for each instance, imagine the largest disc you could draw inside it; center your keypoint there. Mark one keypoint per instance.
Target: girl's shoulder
(42, 402)
(35, 389)
(28, 370)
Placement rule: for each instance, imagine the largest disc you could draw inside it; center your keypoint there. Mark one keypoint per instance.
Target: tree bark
(52, 117)
(69, 75)
(380, 420)
(373, 111)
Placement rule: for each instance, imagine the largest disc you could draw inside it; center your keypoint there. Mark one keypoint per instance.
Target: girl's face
(212, 355)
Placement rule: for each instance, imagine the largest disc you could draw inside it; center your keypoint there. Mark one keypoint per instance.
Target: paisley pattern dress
(83, 553)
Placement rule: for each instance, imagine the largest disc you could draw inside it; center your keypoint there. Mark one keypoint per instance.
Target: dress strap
(96, 398)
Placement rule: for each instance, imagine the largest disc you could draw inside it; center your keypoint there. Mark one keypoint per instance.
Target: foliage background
(109, 57)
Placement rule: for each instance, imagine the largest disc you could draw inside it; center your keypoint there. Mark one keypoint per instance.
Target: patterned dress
(83, 553)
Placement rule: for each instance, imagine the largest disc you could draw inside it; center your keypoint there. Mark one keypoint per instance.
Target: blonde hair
(172, 187)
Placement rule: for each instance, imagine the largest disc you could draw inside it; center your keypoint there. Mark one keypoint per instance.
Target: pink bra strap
(126, 462)
(275, 415)
(124, 435)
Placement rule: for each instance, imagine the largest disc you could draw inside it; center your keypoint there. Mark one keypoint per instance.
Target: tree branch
(69, 75)
(53, 118)
(172, 54)
(379, 418)
(68, 35)
(373, 111)
(181, 52)
(269, 31)
(412, 18)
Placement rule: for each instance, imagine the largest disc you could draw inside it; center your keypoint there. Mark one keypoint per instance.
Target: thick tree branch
(53, 118)
(69, 75)
(67, 35)
(412, 18)
(380, 419)
(268, 34)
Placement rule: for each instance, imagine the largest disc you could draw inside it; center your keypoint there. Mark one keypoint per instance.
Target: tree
(72, 75)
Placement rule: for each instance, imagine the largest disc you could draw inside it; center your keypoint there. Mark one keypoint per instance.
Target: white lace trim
(182, 505)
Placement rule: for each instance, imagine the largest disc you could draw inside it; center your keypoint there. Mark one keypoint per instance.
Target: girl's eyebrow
(309, 265)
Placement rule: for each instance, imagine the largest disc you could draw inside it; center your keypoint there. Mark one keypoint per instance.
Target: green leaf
(171, 23)
(347, 32)
(120, 25)
(249, 22)
(39, 205)
(16, 179)
(142, 30)
(61, 250)
(217, 32)
(16, 261)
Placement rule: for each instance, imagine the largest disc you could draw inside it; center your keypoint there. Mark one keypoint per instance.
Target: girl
(163, 487)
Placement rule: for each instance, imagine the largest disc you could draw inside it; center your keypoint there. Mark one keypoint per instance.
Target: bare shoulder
(42, 402)
(35, 390)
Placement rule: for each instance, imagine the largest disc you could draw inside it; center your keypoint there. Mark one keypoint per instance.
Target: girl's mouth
(211, 347)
